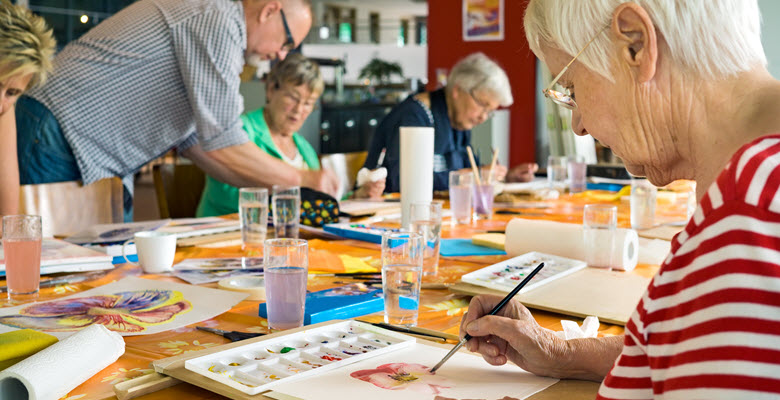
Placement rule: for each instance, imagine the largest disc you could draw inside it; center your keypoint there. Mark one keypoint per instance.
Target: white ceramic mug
(155, 251)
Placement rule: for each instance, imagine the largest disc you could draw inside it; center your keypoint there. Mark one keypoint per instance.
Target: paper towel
(565, 240)
(588, 329)
(58, 369)
(365, 176)
(416, 168)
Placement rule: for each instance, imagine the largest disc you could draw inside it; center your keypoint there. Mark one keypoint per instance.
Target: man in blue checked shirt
(159, 75)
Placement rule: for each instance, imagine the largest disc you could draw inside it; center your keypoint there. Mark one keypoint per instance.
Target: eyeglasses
(289, 44)
(484, 106)
(565, 99)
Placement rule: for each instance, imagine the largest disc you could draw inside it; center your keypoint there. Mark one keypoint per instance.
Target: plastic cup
(599, 227)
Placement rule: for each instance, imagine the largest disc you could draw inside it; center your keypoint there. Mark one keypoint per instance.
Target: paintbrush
(474, 166)
(68, 279)
(492, 165)
(495, 310)
(233, 336)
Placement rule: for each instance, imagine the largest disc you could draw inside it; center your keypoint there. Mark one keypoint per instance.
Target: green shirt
(220, 198)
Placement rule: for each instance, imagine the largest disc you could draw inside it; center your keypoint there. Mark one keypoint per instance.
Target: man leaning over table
(159, 75)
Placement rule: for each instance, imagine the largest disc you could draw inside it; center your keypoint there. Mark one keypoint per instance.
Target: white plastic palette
(505, 275)
(258, 366)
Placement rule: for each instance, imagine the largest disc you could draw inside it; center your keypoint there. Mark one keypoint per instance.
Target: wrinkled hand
(513, 335)
(522, 173)
(323, 180)
(370, 190)
(499, 172)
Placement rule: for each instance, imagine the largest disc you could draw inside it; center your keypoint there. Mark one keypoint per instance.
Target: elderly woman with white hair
(678, 90)
(476, 87)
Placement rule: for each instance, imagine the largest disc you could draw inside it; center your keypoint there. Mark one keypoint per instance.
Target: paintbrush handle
(474, 166)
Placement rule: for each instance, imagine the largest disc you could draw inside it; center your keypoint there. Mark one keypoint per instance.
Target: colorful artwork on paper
(131, 306)
(483, 20)
(405, 373)
(124, 312)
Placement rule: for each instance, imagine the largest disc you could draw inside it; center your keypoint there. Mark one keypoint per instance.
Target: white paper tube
(416, 168)
(566, 240)
(58, 369)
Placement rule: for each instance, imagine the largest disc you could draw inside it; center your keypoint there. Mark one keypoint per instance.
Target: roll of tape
(254, 285)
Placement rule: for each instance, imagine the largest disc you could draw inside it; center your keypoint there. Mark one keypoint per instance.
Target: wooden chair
(69, 207)
(346, 167)
(178, 188)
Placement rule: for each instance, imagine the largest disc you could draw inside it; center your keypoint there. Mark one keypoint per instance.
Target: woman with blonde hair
(26, 49)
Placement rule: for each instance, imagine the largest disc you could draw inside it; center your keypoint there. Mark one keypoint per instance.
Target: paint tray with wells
(258, 366)
(505, 275)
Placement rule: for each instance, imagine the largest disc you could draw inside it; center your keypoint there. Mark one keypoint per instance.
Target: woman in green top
(293, 87)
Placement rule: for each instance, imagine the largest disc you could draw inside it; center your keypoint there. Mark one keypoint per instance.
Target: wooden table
(439, 310)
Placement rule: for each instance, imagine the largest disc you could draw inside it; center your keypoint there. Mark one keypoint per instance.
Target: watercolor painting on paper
(131, 306)
(404, 374)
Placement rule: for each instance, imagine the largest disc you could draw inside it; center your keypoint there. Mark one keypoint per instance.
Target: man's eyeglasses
(289, 43)
(484, 106)
(565, 99)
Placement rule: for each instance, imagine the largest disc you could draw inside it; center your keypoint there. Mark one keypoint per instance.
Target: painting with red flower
(400, 376)
(131, 306)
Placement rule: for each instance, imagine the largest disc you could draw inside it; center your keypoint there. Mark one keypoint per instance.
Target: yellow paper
(492, 240)
(15, 346)
(354, 264)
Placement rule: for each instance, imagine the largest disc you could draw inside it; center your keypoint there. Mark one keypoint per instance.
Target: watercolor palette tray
(505, 275)
(258, 366)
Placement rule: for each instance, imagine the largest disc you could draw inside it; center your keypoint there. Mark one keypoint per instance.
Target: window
(72, 18)
(373, 27)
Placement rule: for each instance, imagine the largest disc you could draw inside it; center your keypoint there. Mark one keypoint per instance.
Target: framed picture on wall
(483, 20)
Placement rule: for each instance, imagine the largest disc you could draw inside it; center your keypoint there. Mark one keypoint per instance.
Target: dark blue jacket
(448, 142)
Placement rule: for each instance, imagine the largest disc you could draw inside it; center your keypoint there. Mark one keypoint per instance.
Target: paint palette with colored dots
(505, 275)
(258, 366)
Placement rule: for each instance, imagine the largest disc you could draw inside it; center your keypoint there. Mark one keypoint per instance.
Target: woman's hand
(522, 173)
(370, 190)
(513, 335)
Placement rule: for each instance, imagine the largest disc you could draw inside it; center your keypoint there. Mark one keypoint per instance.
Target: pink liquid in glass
(22, 265)
(285, 289)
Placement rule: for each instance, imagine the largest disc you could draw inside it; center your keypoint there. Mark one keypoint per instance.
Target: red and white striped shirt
(708, 326)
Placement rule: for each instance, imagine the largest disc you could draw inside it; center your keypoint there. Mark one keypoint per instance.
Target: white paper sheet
(463, 376)
(131, 306)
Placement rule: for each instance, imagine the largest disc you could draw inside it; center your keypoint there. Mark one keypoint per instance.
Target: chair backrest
(346, 167)
(178, 188)
(69, 207)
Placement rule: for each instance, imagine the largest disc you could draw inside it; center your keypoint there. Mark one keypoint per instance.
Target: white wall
(770, 33)
(413, 59)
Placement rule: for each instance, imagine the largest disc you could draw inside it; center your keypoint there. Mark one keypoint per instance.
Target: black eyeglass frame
(289, 43)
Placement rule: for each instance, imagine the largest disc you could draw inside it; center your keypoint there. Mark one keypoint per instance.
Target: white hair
(706, 38)
(478, 72)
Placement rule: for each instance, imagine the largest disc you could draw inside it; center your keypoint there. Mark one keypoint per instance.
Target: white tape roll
(254, 285)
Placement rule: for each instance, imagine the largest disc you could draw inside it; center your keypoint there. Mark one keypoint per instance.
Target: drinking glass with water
(556, 172)
(402, 257)
(253, 213)
(460, 196)
(286, 210)
(426, 221)
(643, 198)
(286, 264)
(599, 224)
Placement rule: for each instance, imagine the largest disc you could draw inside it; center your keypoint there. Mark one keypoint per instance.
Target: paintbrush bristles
(474, 166)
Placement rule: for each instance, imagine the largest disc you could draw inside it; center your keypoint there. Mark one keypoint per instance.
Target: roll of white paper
(566, 240)
(416, 168)
(58, 369)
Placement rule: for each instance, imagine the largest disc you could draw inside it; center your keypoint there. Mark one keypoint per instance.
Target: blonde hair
(477, 71)
(26, 44)
(297, 70)
(707, 38)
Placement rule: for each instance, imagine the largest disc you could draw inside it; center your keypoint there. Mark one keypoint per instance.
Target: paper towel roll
(58, 369)
(565, 240)
(416, 168)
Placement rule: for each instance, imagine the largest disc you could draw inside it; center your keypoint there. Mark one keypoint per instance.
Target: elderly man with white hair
(678, 90)
(476, 87)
